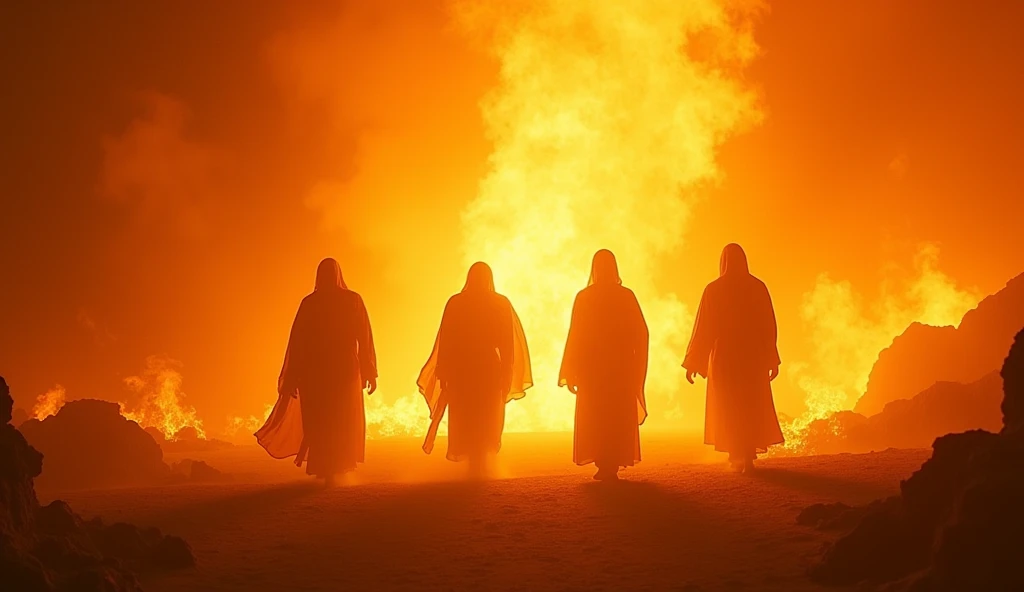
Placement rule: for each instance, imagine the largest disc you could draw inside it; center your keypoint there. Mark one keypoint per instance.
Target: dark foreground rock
(957, 522)
(89, 444)
(52, 549)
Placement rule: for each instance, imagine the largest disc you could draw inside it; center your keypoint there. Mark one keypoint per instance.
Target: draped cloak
(734, 346)
(481, 359)
(606, 358)
(330, 355)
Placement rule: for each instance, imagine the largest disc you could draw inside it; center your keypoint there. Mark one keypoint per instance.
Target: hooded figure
(734, 347)
(319, 416)
(479, 362)
(605, 366)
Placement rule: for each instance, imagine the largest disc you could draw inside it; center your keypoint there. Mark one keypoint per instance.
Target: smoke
(605, 123)
(847, 333)
(157, 169)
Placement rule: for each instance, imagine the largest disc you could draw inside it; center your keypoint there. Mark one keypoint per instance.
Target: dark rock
(57, 518)
(89, 444)
(172, 553)
(957, 522)
(1013, 386)
(19, 416)
(6, 402)
(818, 515)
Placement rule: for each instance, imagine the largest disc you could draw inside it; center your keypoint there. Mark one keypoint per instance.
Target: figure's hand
(689, 376)
(293, 394)
(773, 373)
(573, 388)
(370, 385)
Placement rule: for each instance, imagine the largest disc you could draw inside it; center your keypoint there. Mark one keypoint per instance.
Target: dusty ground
(678, 521)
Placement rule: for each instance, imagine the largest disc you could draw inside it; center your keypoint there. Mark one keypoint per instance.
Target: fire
(246, 426)
(49, 403)
(849, 336)
(605, 126)
(160, 402)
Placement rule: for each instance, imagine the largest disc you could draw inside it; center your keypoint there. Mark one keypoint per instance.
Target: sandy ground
(678, 521)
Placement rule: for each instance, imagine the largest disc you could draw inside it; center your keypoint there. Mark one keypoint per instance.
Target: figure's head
(733, 261)
(604, 269)
(328, 275)
(480, 278)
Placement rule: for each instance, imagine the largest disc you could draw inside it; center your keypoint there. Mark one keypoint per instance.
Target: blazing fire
(159, 401)
(605, 125)
(49, 403)
(246, 426)
(849, 335)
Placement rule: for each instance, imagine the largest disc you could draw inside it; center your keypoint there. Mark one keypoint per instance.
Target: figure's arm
(506, 347)
(367, 351)
(642, 339)
(288, 380)
(702, 340)
(772, 338)
(568, 373)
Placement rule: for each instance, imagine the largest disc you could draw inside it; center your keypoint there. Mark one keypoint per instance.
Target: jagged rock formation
(89, 444)
(944, 408)
(51, 549)
(955, 525)
(924, 355)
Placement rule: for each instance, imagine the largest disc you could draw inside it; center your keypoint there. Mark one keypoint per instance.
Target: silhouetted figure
(733, 346)
(605, 366)
(320, 416)
(480, 362)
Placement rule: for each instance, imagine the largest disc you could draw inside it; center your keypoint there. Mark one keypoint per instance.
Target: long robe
(481, 358)
(606, 358)
(330, 354)
(734, 346)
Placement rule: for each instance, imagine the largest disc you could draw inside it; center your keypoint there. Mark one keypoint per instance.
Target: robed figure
(319, 416)
(605, 366)
(734, 346)
(480, 362)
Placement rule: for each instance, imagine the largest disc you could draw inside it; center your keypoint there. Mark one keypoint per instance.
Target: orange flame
(246, 426)
(161, 403)
(850, 336)
(49, 403)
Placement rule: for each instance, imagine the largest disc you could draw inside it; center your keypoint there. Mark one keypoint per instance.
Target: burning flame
(849, 336)
(49, 403)
(605, 125)
(246, 426)
(160, 403)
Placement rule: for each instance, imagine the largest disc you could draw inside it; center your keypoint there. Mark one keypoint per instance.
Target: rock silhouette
(50, 548)
(89, 444)
(943, 408)
(957, 521)
(924, 355)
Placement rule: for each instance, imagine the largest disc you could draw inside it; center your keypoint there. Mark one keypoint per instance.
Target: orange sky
(173, 172)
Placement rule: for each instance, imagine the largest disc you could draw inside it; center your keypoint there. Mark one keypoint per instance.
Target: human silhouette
(480, 361)
(605, 366)
(734, 346)
(319, 416)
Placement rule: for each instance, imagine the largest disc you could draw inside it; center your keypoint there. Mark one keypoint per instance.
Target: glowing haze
(605, 124)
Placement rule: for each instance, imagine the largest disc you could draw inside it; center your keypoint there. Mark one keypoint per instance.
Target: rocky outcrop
(89, 444)
(944, 408)
(50, 548)
(924, 355)
(955, 525)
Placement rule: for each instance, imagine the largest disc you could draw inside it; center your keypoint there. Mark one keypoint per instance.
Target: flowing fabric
(606, 359)
(480, 362)
(320, 415)
(734, 346)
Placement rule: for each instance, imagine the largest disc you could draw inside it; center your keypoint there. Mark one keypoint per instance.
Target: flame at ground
(49, 403)
(160, 402)
(604, 126)
(848, 336)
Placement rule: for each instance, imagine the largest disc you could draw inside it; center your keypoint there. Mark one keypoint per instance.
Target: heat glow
(159, 402)
(49, 403)
(605, 125)
(848, 335)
